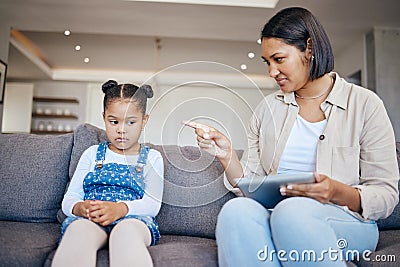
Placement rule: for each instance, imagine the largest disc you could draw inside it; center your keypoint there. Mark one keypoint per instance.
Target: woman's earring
(312, 58)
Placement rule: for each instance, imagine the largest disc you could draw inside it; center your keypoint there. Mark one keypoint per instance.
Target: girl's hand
(322, 190)
(106, 212)
(211, 140)
(81, 209)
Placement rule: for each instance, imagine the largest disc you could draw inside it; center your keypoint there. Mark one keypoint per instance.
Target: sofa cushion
(387, 252)
(85, 136)
(27, 244)
(193, 186)
(193, 191)
(33, 175)
(393, 221)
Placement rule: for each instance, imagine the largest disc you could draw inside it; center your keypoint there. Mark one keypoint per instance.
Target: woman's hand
(322, 190)
(211, 140)
(326, 190)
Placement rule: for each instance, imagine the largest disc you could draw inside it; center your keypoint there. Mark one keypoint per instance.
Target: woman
(317, 122)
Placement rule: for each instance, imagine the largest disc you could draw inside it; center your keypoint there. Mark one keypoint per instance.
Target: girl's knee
(133, 229)
(82, 226)
(133, 224)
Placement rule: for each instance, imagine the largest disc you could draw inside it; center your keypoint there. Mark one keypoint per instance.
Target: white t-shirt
(300, 151)
(153, 172)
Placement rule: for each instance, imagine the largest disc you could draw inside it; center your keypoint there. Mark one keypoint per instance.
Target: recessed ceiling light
(67, 32)
(243, 67)
(86, 60)
(77, 47)
(251, 55)
(259, 41)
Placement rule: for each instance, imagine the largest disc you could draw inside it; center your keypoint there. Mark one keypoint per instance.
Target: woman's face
(286, 64)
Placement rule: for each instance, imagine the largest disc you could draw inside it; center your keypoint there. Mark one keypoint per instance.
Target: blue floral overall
(117, 182)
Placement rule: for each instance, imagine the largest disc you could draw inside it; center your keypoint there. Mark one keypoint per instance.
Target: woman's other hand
(326, 190)
(322, 190)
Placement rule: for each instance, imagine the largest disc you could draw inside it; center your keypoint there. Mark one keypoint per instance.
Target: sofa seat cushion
(387, 252)
(27, 244)
(177, 251)
(181, 251)
(33, 175)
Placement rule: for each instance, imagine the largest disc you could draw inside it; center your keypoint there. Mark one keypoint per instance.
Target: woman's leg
(128, 244)
(243, 234)
(310, 233)
(79, 244)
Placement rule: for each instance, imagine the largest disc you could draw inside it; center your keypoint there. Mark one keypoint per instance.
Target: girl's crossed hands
(101, 212)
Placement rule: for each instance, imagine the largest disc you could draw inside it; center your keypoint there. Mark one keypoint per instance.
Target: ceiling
(122, 35)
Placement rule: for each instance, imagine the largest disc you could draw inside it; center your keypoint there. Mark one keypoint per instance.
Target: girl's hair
(114, 91)
(294, 26)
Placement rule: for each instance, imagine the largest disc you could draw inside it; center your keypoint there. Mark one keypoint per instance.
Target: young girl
(116, 189)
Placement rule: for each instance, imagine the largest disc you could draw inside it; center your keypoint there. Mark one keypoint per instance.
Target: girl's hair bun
(108, 85)
(147, 90)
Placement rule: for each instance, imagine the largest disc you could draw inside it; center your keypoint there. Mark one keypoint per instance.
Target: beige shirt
(356, 148)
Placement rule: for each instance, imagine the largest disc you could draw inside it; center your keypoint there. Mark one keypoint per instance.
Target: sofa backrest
(33, 175)
(193, 185)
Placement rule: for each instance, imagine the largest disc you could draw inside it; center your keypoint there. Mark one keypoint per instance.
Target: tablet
(265, 189)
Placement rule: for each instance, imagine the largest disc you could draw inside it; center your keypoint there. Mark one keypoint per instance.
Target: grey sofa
(35, 171)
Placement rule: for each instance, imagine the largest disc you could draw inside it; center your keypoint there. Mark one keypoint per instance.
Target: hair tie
(147, 90)
(108, 85)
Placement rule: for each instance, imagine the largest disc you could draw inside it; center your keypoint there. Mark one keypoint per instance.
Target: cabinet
(53, 115)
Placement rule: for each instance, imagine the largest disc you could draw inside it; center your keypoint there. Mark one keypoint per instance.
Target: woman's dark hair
(114, 91)
(294, 26)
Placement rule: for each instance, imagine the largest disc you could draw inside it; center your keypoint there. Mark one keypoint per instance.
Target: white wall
(17, 108)
(353, 59)
(225, 108)
(377, 55)
(384, 54)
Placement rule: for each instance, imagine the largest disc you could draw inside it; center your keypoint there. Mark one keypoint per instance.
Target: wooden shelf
(50, 132)
(54, 100)
(54, 116)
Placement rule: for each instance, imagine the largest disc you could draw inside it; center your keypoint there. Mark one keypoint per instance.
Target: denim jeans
(298, 232)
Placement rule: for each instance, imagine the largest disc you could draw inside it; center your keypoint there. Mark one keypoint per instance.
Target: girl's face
(286, 64)
(124, 123)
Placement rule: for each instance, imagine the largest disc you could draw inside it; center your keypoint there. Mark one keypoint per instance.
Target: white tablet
(265, 189)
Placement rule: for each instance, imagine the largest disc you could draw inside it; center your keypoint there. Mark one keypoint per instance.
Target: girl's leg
(128, 244)
(79, 244)
(310, 233)
(243, 234)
